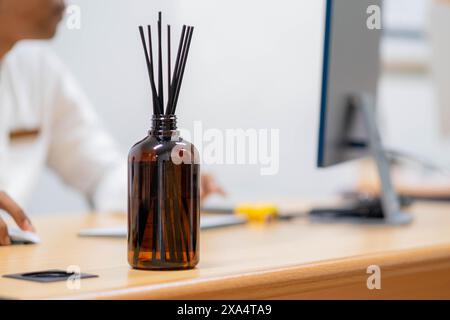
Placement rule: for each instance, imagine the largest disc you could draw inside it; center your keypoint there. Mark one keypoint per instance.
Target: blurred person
(46, 120)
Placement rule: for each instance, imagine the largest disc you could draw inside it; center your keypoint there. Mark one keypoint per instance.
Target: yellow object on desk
(260, 212)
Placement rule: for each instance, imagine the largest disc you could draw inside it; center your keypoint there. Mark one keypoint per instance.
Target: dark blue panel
(324, 94)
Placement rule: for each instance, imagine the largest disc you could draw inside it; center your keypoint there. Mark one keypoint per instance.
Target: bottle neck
(164, 125)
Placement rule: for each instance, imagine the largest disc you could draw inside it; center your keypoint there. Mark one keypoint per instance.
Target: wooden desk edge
(342, 278)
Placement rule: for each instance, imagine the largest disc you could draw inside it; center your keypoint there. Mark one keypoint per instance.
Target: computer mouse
(19, 236)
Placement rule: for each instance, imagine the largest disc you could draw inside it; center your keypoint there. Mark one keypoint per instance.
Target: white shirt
(38, 92)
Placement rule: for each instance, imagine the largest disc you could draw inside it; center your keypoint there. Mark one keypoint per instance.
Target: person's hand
(12, 208)
(208, 186)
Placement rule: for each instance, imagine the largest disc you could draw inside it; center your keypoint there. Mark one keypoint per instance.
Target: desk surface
(295, 259)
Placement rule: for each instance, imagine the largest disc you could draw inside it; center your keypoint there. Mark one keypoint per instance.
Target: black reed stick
(148, 60)
(150, 50)
(169, 65)
(176, 75)
(180, 53)
(160, 64)
(177, 64)
(183, 66)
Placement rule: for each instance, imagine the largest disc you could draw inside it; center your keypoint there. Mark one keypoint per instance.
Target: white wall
(254, 64)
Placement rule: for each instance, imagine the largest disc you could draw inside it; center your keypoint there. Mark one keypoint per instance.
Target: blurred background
(256, 64)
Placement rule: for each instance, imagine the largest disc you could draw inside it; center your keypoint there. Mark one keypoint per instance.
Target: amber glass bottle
(163, 199)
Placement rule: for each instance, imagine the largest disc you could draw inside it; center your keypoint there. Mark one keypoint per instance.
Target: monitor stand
(386, 209)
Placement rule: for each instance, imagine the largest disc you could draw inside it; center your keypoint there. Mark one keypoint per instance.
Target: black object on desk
(49, 276)
(358, 208)
(430, 198)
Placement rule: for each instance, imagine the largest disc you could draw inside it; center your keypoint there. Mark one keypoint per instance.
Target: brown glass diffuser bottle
(163, 204)
(163, 174)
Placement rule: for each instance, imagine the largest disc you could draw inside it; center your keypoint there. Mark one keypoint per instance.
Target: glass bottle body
(163, 201)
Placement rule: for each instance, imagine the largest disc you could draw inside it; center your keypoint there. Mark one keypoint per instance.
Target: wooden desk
(294, 259)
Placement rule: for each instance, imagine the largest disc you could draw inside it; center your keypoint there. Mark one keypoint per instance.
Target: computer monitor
(351, 67)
